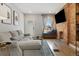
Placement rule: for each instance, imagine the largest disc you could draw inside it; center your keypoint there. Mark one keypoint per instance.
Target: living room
(22, 26)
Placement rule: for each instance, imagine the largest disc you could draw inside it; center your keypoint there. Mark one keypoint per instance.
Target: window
(48, 25)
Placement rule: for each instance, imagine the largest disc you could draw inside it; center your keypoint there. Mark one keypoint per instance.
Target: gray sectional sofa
(20, 43)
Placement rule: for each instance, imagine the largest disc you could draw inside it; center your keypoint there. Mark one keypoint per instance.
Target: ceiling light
(50, 12)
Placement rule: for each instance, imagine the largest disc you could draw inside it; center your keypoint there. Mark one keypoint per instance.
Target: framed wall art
(8, 14)
(15, 18)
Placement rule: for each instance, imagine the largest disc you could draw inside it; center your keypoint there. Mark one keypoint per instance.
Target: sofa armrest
(14, 44)
(15, 50)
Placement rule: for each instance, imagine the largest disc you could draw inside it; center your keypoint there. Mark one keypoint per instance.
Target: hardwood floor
(59, 48)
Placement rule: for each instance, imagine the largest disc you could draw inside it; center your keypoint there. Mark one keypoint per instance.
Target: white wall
(28, 24)
(36, 27)
(7, 27)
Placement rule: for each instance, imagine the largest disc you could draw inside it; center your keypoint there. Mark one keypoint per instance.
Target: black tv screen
(60, 17)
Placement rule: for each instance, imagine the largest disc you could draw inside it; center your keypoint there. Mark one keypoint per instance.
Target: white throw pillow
(14, 33)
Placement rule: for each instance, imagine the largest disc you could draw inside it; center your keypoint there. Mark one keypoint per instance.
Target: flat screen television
(60, 17)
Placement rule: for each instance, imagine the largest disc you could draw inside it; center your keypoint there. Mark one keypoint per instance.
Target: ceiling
(39, 8)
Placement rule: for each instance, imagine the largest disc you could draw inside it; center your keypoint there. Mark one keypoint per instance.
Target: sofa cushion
(20, 38)
(28, 37)
(14, 33)
(30, 44)
(5, 37)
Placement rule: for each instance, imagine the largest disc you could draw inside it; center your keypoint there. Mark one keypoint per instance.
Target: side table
(5, 48)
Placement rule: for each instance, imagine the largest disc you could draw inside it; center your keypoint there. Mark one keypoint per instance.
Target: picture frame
(8, 15)
(15, 18)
